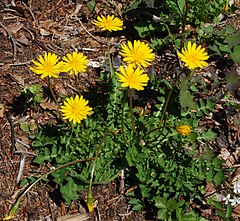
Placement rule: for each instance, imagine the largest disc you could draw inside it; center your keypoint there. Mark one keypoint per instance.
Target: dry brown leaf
(1, 110)
(44, 32)
(46, 24)
(47, 105)
(23, 39)
(74, 217)
(15, 27)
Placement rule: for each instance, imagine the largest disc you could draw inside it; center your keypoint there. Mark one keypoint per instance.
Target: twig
(12, 40)
(21, 167)
(80, 22)
(13, 141)
(17, 64)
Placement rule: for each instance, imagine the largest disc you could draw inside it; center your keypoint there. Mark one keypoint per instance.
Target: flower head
(108, 23)
(90, 202)
(138, 53)
(75, 109)
(194, 56)
(47, 65)
(75, 63)
(184, 130)
(132, 77)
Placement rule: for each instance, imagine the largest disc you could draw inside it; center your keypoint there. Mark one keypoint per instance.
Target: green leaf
(219, 178)
(70, 191)
(162, 214)
(172, 205)
(144, 28)
(235, 55)
(24, 126)
(233, 40)
(160, 202)
(186, 99)
(91, 5)
(182, 5)
(229, 211)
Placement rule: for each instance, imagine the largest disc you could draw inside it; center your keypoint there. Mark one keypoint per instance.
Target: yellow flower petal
(132, 77)
(184, 130)
(139, 53)
(75, 63)
(194, 56)
(47, 66)
(75, 109)
(108, 23)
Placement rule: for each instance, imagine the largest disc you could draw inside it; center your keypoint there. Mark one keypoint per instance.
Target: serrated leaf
(219, 178)
(162, 214)
(235, 55)
(172, 205)
(70, 191)
(233, 40)
(160, 202)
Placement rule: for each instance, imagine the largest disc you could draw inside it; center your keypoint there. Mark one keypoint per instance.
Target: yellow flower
(132, 77)
(194, 56)
(138, 53)
(75, 109)
(75, 63)
(110, 23)
(185, 130)
(90, 202)
(8, 217)
(47, 66)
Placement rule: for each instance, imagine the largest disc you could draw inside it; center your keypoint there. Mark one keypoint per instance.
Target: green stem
(52, 92)
(122, 119)
(87, 134)
(165, 105)
(131, 108)
(14, 208)
(89, 196)
(109, 57)
(77, 83)
(184, 20)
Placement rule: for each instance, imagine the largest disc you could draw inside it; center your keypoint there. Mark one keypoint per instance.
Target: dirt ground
(27, 29)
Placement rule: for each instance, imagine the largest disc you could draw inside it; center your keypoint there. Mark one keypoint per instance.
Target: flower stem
(87, 134)
(109, 57)
(52, 92)
(131, 108)
(89, 196)
(77, 83)
(14, 208)
(122, 119)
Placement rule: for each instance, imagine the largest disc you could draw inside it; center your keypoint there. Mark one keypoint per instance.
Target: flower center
(48, 67)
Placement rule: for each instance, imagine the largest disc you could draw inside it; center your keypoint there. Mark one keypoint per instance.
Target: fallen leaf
(47, 105)
(1, 110)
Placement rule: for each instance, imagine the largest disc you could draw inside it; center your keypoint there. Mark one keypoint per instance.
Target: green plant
(33, 94)
(134, 130)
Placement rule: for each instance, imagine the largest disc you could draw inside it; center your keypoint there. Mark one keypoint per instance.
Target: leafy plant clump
(142, 126)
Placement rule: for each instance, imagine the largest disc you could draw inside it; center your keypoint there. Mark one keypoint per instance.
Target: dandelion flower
(184, 130)
(194, 56)
(138, 53)
(108, 23)
(132, 77)
(75, 63)
(47, 65)
(75, 109)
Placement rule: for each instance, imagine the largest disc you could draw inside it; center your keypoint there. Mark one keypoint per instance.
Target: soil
(27, 29)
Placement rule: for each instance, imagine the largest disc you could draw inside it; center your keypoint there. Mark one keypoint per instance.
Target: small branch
(13, 140)
(12, 40)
